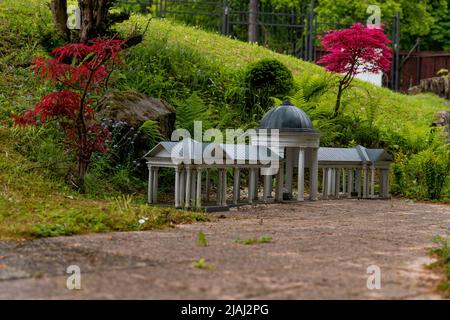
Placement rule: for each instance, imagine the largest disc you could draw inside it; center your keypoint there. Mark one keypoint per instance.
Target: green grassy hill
(26, 24)
(409, 116)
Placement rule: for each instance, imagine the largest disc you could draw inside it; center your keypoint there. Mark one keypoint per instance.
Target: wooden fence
(422, 65)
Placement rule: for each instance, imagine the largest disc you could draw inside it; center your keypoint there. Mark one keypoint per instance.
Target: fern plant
(190, 110)
(308, 90)
(150, 129)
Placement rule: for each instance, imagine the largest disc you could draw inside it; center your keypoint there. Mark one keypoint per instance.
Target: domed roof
(287, 117)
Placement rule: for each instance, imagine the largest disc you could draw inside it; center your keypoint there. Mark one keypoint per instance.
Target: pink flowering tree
(357, 49)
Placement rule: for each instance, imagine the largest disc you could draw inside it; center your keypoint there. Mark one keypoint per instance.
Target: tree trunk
(338, 100)
(82, 171)
(93, 18)
(253, 21)
(59, 13)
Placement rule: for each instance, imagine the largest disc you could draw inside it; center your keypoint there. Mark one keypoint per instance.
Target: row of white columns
(188, 182)
(188, 186)
(354, 180)
(301, 173)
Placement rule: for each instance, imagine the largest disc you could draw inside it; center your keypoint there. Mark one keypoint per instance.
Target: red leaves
(27, 118)
(65, 104)
(81, 69)
(77, 51)
(356, 50)
(79, 65)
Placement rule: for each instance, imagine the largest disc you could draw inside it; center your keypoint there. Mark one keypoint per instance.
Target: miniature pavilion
(272, 172)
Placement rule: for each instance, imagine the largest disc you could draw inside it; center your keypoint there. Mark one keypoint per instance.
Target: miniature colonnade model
(191, 169)
(347, 172)
(351, 172)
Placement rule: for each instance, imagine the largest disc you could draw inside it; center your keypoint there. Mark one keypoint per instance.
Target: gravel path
(319, 250)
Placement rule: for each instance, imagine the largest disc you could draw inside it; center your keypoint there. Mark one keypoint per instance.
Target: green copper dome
(287, 117)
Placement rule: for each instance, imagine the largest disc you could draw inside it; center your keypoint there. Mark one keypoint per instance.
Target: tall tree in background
(59, 13)
(95, 18)
(253, 9)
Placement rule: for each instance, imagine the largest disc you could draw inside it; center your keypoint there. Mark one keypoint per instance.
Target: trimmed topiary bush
(264, 79)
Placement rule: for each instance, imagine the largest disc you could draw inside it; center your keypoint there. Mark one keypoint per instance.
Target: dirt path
(319, 250)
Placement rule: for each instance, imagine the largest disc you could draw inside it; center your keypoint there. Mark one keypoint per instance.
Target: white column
(358, 182)
(256, 178)
(325, 183)
(187, 200)
(323, 180)
(193, 184)
(301, 174)
(251, 185)
(150, 185)
(344, 181)
(182, 187)
(177, 187)
(155, 185)
(219, 187)
(198, 200)
(207, 191)
(314, 175)
(224, 186)
(236, 186)
(372, 181)
(332, 181)
(279, 183)
(365, 182)
(289, 170)
(350, 183)
(337, 182)
(267, 187)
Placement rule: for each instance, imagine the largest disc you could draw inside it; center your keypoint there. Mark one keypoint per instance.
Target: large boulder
(135, 108)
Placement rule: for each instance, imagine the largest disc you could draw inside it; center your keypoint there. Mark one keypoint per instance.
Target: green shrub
(265, 79)
(435, 170)
(398, 170)
(425, 174)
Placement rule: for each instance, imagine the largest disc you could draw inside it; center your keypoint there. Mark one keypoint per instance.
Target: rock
(135, 108)
(442, 119)
(437, 85)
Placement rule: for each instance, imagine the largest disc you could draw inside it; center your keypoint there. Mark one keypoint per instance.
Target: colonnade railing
(354, 182)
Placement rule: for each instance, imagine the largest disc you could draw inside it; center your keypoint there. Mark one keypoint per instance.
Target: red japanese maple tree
(357, 49)
(82, 71)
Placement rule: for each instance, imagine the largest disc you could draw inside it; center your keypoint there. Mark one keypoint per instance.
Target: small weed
(442, 265)
(123, 202)
(263, 239)
(201, 240)
(202, 264)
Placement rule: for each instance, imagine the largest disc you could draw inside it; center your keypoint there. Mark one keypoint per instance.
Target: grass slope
(32, 205)
(408, 116)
